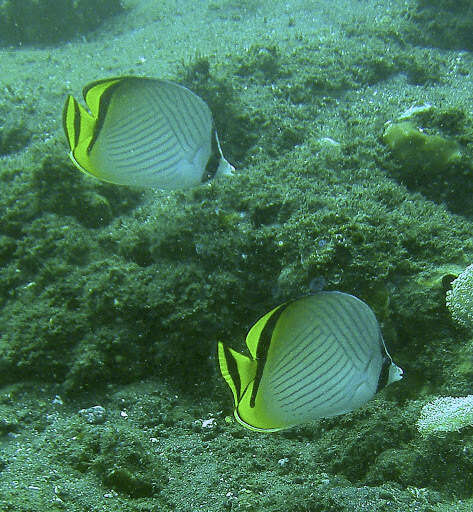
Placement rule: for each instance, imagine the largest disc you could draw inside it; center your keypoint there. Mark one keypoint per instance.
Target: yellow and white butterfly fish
(144, 132)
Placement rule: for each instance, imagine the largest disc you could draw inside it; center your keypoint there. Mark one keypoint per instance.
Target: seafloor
(116, 297)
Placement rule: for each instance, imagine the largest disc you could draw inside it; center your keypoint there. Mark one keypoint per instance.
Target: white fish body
(144, 132)
(315, 357)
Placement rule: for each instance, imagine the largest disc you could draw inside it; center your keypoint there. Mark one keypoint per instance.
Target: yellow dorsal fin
(94, 92)
(237, 369)
(254, 335)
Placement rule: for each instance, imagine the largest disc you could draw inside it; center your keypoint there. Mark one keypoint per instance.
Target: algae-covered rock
(443, 24)
(14, 136)
(51, 21)
(440, 278)
(429, 152)
(416, 148)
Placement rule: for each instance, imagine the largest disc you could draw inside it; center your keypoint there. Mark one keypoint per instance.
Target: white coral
(460, 298)
(446, 414)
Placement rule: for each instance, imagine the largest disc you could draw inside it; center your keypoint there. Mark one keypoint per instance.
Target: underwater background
(350, 125)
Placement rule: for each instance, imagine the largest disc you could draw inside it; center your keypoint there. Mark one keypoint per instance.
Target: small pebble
(93, 415)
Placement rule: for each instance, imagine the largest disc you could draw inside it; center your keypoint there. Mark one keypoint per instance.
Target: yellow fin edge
(251, 427)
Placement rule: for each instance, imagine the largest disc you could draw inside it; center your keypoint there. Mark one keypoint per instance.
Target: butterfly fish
(314, 357)
(144, 132)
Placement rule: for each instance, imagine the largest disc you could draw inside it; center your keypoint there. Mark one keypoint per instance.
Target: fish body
(314, 357)
(144, 132)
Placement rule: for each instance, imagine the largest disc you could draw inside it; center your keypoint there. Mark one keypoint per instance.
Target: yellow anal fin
(237, 369)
